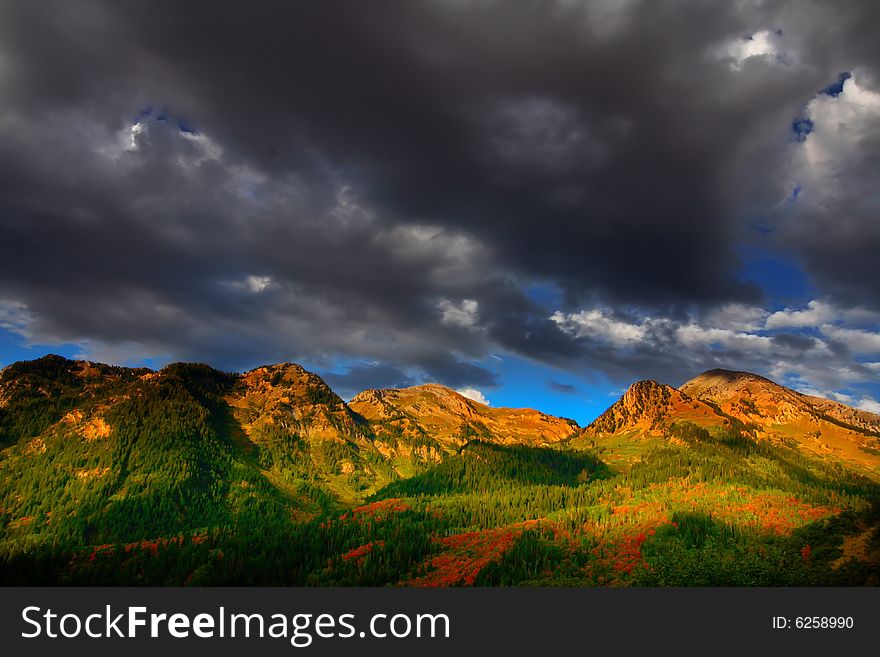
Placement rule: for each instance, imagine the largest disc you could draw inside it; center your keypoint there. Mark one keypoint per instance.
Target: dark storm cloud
(361, 377)
(794, 342)
(384, 183)
(458, 373)
(564, 388)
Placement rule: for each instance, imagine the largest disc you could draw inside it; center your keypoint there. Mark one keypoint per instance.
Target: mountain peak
(648, 407)
(716, 381)
(288, 381)
(646, 387)
(451, 419)
(730, 375)
(50, 358)
(284, 368)
(435, 388)
(777, 413)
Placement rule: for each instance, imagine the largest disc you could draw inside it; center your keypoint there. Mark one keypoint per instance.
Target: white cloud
(596, 324)
(841, 120)
(130, 138)
(15, 317)
(693, 335)
(869, 404)
(114, 146)
(746, 338)
(816, 314)
(737, 317)
(864, 403)
(763, 44)
(449, 255)
(122, 353)
(205, 149)
(809, 390)
(135, 142)
(253, 284)
(843, 398)
(258, 283)
(465, 314)
(474, 394)
(842, 125)
(858, 341)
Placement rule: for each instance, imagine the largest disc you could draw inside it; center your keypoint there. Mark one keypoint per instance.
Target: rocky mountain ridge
(721, 399)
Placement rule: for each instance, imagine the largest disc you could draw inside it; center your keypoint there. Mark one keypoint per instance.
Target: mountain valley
(189, 475)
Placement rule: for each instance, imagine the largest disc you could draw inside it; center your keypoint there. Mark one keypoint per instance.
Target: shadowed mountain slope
(98, 453)
(189, 475)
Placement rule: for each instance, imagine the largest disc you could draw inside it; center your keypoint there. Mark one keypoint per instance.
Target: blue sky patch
(14, 347)
(548, 295)
(780, 277)
(801, 128)
(836, 88)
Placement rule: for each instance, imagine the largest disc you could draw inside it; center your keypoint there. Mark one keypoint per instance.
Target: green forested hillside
(140, 457)
(194, 476)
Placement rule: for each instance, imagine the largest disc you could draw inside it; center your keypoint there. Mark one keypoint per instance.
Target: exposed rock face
(648, 408)
(290, 398)
(719, 399)
(852, 416)
(776, 413)
(279, 419)
(760, 401)
(36, 394)
(748, 397)
(436, 413)
(764, 404)
(779, 414)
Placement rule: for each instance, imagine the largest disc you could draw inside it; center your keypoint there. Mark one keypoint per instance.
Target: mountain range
(109, 464)
(763, 409)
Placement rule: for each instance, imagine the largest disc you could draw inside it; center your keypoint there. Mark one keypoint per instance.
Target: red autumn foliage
(774, 512)
(617, 559)
(380, 509)
(465, 555)
(153, 546)
(361, 551)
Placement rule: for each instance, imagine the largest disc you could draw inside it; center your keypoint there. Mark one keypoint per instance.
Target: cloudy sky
(535, 202)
